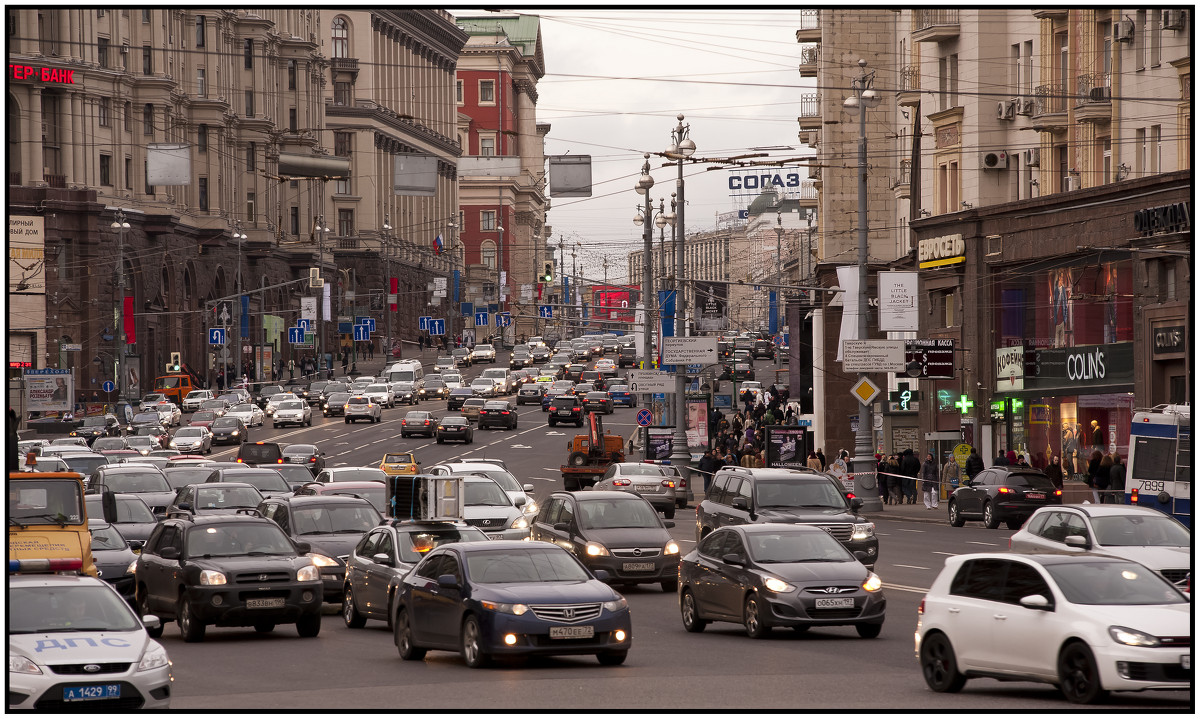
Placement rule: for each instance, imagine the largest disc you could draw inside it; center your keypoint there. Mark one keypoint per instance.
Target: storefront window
(1067, 306)
(1068, 428)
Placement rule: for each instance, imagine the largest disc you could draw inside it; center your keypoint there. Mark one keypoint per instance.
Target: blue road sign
(362, 333)
(467, 308)
(503, 319)
(371, 324)
(368, 321)
(644, 417)
(545, 311)
(423, 323)
(304, 324)
(216, 336)
(108, 386)
(296, 335)
(481, 319)
(437, 327)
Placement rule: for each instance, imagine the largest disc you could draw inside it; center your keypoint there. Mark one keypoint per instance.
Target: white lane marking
(986, 544)
(909, 566)
(902, 588)
(948, 554)
(918, 531)
(554, 434)
(520, 446)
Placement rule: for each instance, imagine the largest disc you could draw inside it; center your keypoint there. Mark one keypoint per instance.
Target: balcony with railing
(1049, 108)
(55, 180)
(903, 180)
(1093, 101)
(809, 54)
(810, 111)
(909, 94)
(810, 26)
(935, 24)
(347, 65)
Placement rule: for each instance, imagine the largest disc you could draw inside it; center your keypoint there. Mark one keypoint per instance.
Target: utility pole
(121, 226)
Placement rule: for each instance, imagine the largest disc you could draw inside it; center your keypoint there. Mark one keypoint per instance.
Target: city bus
(1159, 471)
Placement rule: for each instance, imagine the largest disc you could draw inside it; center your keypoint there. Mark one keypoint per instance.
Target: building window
(147, 119)
(342, 186)
(102, 51)
(128, 173)
(252, 157)
(341, 38)
(202, 139)
(487, 92)
(1140, 41)
(147, 62)
(106, 170)
(248, 54)
(292, 119)
(103, 112)
(341, 93)
(1106, 159)
(145, 15)
(1168, 280)
(458, 89)
(1155, 32)
(346, 223)
(128, 116)
(146, 177)
(487, 146)
(199, 31)
(201, 83)
(1060, 163)
(948, 81)
(291, 74)
(249, 103)
(487, 220)
(1155, 149)
(948, 310)
(341, 144)
(487, 254)
(99, 13)
(294, 219)
(250, 216)
(1139, 152)
(202, 193)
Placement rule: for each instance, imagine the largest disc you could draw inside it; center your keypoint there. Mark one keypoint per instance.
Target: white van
(499, 377)
(407, 371)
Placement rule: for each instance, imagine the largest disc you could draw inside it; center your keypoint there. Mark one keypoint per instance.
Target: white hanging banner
(308, 308)
(169, 163)
(848, 281)
(325, 310)
(898, 301)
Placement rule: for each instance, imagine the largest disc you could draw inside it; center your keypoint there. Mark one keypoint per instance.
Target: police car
(74, 644)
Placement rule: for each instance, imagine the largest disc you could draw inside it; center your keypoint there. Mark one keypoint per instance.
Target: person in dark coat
(929, 482)
(880, 479)
(821, 456)
(974, 464)
(910, 467)
(1093, 468)
(1116, 478)
(1001, 460)
(1054, 473)
(708, 465)
(892, 468)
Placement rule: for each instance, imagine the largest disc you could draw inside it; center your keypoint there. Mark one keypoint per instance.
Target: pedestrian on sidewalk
(371, 350)
(880, 480)
(1116, 481)
(821, 456)
(951, 473)
(813, 462)
(974, 464)
(1054, 473)
(910, 467)
(708, 465)
(892, 468)
(929, 482)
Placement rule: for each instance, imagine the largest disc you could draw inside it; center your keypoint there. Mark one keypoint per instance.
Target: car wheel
(956, 519)
(472, 644)
(990, 520)
(680, 503)
(611, 659)
(404, 639)
(440, 440)
(350, 614)
(264, 627)
(1078, 677)
(1014, 524)
(309, 625)
(190, 627)
(669, 512)
(753, 620)
(938, 665)
(347, 420)
(579, 423)
(869, 631)
(143, 608)
(690, 614)
(669, 585)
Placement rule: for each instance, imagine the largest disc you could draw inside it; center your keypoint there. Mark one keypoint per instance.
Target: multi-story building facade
(503, 204)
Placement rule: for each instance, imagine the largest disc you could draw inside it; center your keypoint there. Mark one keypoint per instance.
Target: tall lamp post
(386, 236)
(121, 226)
(642, 219)
(863, 462)
(322, 231)
(682, 147)
(239, 237)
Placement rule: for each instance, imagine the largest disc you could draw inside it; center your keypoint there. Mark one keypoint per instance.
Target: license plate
(572, 632)
(268, 603)
(1034, 495)
(645, 487)
(564, 412)
(637, 567)
(99, 691)
(1186, 661)
(839, 603)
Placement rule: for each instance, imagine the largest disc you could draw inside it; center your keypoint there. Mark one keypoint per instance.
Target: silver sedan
(650, 481)
(192, 440)
(249, 413)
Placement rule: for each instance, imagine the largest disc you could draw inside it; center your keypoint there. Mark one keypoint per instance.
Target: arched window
(487, 254)
(341, 38)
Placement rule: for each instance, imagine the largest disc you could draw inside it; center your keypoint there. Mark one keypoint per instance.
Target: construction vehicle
(47, 517)
(590, 455)
(175, 386)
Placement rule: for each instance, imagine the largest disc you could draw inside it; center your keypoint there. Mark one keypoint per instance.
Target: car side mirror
(562, 527)
(1037, 601)
(136, 543)
(384, 559)
(603, 575)
(151, 622)
(169, 553)
(527, 488)
(734, 559)
(1078, 542)
(303, 547)
(185, 506)
(519, 501)
(447, 580)
(856, 504)
(740, 503)
(668, 524)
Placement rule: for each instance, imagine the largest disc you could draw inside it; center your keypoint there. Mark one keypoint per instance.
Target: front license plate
(644, 487)
(572, 632)
(637, 566)
(1186, 661)
(268, 603)
(98, 691)
(1031, 495)
(839, 603)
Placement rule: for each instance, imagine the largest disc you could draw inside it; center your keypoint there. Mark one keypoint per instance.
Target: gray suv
(739, 495)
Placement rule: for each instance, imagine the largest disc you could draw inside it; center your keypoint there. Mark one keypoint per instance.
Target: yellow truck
(47, 519)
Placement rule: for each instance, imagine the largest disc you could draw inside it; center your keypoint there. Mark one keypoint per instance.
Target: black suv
(1002, 494)
(763, 348)
(98, 426)
(236, 570)
(266, 393)
(789, 496)
(332, 524)
(566, 408)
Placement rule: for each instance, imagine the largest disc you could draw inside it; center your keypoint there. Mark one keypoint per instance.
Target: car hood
(592, 590)
(1161, 620)
(828, 572)
(112, 563)
(135, 530)
(491, 512)
(619, 538)
(331, 545)
(221, 431)
(797, 515)
(234, 565)
(155, 499)
(84, 647)
(1157, 558)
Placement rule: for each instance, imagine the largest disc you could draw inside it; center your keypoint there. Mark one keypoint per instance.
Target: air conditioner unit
(1123, 32)
(1002, 111)
(993, 160)
(124, 49)
(1033, 158)
(1173, 19)
(1072, 182)
(1024, 107)
(1100, 94)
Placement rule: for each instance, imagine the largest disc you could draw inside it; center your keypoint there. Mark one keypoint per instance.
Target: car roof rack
(250, 512)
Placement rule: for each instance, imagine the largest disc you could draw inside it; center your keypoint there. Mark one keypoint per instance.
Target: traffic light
(174, 366)
(547, 271)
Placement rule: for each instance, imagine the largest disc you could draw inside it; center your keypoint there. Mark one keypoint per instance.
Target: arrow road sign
(216, 336)
(546, 311)
(304, 324)
(503, 319)
(296, 335)
(224, 315)
(689, 350)
(437, 327)
(108, 386)
(481, 319)
(362, 333)
(641, 381)
(423, 323)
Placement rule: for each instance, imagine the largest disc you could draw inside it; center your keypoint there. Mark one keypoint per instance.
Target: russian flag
(437, 245)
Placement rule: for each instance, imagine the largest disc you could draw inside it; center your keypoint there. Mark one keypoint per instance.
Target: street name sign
(694, 350)
(873, 356)
(641, 381)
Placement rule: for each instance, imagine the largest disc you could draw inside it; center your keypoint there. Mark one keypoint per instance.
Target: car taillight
(669, 484)
(849, 495)
(504, 412)
(1133, 496)
(1058, 492)
(312, 459)
(279, 461)
(921, 606)
(574, 409)
(621, 482)
(1003, 490)
(239, 459)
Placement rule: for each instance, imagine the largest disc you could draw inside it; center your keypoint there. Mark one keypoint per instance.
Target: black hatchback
(458, 395)
(1002, 494)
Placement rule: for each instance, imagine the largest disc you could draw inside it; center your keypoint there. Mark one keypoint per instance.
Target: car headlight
(530, 507)
(1132, 637)
(234, 433)
(18, 664)
(596, 550)
(777, 585)
(863, 530)
(307, 574)
(519, 523)
(211, 577)
(616, 605)
(321, 560)
(873, 583)
(132, 568)
(153, 658)
(517, 609)
(671, 548)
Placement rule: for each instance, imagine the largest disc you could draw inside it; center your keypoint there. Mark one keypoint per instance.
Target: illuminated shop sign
(45, 74)
(1163, 219)
(940, 251)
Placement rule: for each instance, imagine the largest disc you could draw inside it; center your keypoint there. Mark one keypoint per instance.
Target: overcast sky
(615, 82)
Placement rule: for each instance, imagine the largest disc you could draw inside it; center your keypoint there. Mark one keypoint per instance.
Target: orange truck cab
(174, 386)
(47, 518)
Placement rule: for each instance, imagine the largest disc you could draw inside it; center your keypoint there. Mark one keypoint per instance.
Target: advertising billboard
(614, 303)
(658, 442)
(49, 390)
(785, 447)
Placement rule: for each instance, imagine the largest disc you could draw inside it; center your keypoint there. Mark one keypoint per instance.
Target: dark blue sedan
(509, 598)
(621, 395)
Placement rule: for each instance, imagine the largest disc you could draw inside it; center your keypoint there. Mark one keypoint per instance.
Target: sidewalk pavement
(911, 513)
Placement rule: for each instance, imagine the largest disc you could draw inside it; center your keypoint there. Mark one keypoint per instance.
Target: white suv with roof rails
(483, 353)
(520, 494)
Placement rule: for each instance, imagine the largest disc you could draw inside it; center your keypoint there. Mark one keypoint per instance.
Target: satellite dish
(913, 369)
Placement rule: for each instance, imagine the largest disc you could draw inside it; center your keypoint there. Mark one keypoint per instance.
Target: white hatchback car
(292, 411)
(1088, 624)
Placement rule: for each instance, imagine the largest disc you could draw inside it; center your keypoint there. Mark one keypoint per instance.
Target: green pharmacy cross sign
(964, 404)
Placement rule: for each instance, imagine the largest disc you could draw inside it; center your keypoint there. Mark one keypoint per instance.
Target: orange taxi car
(399, 463)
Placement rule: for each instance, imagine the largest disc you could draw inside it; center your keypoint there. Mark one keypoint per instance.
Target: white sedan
(292, 411)
(168, 413)
(382, 394)
(273, 402)
(191, 403)
(483, 387)
(249, 413)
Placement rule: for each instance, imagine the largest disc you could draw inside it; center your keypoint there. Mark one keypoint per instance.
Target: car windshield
(506, 481)
(451, 421)
(416, 544)
(336, 387)
(598, 396)
(343, 519)
(148, 432)
(509, 566)
(242, 408)
(378, 388)
(108, 443)
(300, 449)
(359, 400)
(374, 495)
(338, 397)
(640, 470)
(485, 494)
(416, 416)
(495, 405)
(210, 404)
(268, 391)
(136, 481)
(1138, 530)
(1112, 583)
(189, 432)
(94, 421)
(1030, 481)
(292, 404)
(358, 475)
(398, 458)
(227, 498)
(817, 493)
(264, 480)
(79, 608)
(106, 537)
(787, 547)
(182, 476)
(197, 394)
(617, 514)
(225, 423)
(617, 388)
(146, 417)
(238, 540)
(85, 464)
